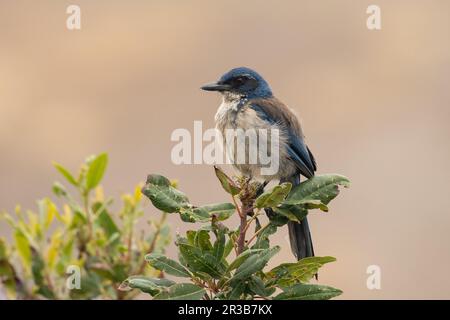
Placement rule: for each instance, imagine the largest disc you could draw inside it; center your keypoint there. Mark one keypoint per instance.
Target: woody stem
(242, 230)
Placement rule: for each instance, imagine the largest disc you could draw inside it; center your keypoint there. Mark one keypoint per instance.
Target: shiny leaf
(161, 262)
(308, 292)
(273, 197)
(163, 195)
(182, 291)
(152, 286)
(227, 183)
(65, 173)
(96, 171)
(323, 188)
(254, 263)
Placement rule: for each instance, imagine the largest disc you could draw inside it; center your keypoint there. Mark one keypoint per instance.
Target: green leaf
(2, 249)
(227, 183)
(47, 212)
(262, 241)
(257, 286)
(104, 219)
(79, 219)
(7, 273)
(160, 262)
(89, 287)
(8, 278)
(204, 276)
(323, 188)
(228, 248)
(221, 211)
(182, 291)
(308, 292)
(193, 215)
(158, 180)
(273, 197)
(65, 173)
(104, 271)
(254, 263)
(242, 257)
(202, 240)
(152, 286)
(199, 261)
(96, 170)
(190, 237)
(311, 204)
(58, 189)
(38, 275)
(163, 195)
(219, 245)
(23, 248)
(285, 212)
(238, 289)
(288, 274)
(65, 255)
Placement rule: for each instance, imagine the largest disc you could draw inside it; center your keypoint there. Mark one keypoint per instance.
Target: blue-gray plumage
(248, 103)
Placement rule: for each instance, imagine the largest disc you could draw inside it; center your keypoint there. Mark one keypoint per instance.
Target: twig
(88, 215)
(242, 231)
(247, 200)
(237, 207)
(257, 233)
(255, 216)
(153, 244)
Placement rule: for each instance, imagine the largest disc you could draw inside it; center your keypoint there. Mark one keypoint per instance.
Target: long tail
(300, 239)
(299, 234)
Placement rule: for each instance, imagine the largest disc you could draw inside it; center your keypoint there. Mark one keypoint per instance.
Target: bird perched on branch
(248, 103)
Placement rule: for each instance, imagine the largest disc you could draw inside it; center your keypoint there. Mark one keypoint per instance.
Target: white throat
(227, 107)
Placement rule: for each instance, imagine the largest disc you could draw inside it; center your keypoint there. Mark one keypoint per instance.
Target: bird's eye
(240, 80)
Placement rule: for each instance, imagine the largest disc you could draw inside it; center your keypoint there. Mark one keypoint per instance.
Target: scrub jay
(248, 103)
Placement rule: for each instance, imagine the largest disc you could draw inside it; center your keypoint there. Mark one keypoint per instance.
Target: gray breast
(227, 114)
(238, 115)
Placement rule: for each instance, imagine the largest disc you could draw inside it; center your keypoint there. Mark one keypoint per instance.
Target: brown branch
(242, 231)
(247, 199)
(237, 207)
(258, 232)
(249, 222)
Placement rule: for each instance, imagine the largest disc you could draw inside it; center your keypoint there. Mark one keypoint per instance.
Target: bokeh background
(375, 107)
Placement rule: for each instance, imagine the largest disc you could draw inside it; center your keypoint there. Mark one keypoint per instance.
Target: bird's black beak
(216, 87)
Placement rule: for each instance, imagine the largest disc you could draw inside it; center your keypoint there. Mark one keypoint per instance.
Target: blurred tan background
(374, 106)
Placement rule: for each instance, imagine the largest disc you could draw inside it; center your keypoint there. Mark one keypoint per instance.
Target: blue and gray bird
(248, 103)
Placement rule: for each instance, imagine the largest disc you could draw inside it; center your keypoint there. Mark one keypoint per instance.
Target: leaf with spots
(318, 191)
(198, 261)
(163, 196)
(227, 183)
(221, 211)
(302, 271)
(161, 262)
(308, 292)
(182, 291)
(273, 197)
(256, 262)
(149, 285)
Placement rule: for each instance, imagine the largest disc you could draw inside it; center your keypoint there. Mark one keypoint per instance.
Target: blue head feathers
(243, 82)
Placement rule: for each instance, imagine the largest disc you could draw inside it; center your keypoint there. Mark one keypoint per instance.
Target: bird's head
(241, 82)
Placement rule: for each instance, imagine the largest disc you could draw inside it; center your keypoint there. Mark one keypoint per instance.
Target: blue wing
(297, 149)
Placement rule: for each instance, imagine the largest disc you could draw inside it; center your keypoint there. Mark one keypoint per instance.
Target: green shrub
(113, 257)
(50, 245)
(217, 262)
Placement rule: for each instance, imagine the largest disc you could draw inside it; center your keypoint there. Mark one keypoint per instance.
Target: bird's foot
(260, 189)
